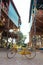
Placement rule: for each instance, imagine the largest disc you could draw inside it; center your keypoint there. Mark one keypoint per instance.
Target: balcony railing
(5, 7)
(0, 11)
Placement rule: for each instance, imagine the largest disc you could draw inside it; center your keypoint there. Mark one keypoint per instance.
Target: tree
(21, 38)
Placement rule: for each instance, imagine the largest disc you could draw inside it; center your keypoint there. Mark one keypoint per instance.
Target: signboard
(13, 15)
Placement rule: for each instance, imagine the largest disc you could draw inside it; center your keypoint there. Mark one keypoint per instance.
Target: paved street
(20, 60)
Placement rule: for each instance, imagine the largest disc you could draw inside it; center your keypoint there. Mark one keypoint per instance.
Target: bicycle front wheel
(31, 53)
(11, 53)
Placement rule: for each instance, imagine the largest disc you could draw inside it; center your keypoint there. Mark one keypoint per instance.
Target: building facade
(36, 20)
(9, 18)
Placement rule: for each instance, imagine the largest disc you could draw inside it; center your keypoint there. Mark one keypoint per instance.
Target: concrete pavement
(20, 60)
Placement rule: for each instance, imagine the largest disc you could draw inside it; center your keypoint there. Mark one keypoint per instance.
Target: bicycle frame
(28, 52)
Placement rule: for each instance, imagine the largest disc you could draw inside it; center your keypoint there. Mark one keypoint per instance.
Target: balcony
(5, 7)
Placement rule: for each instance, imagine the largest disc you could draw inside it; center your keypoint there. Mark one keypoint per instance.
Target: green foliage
(21, 38)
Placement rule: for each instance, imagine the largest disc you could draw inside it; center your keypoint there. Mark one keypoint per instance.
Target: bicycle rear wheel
(31, 53)
(11, 53)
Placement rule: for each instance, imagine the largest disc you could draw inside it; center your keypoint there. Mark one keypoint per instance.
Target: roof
(40, 4)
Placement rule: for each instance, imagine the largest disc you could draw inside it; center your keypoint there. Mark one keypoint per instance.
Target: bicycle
(29, 52)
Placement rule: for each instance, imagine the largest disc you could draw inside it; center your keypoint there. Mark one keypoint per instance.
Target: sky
(23, 7)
